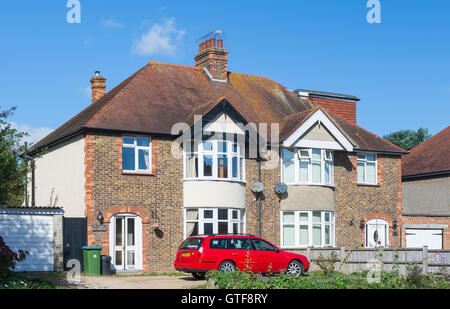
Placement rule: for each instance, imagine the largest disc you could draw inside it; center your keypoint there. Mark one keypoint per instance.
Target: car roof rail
(229, 234)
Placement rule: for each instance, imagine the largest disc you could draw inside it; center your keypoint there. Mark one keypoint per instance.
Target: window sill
(310, 185)
(137, 174)
(214, 179)
(368, 185)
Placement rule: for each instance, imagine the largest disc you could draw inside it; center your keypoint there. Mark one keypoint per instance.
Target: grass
(24, 281)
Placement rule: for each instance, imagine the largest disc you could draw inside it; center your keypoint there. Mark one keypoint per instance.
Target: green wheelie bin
(91, 259)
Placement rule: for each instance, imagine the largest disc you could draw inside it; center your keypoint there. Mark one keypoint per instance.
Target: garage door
(417, 238)
(32, 233)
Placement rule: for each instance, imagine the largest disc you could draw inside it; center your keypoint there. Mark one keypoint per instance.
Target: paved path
(139, 282)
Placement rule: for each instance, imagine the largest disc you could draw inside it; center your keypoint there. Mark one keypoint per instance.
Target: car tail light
(200, 251)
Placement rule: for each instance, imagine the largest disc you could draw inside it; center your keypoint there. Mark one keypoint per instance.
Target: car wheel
(227, 266)
(199, 276)
(295, 268)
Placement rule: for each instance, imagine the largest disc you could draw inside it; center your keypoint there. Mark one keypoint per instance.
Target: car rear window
(191, 243)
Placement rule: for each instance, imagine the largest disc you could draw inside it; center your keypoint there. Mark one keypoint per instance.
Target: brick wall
(354, 202)
(344, 109)
(156, 198)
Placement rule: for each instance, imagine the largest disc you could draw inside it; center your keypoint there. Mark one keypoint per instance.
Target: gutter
(426, 175)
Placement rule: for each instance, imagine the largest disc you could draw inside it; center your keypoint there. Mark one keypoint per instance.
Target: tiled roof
(429, 157)
(159, 95)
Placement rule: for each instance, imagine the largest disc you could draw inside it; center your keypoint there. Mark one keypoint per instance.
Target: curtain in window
(191, 215)
(288, 166)
(191, 166)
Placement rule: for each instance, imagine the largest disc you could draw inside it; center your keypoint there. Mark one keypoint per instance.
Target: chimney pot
(220, 43)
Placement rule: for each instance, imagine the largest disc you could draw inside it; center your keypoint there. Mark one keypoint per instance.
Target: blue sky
(399, 68)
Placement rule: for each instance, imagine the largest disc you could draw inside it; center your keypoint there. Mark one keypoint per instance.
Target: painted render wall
(427, 196)
(59, 178)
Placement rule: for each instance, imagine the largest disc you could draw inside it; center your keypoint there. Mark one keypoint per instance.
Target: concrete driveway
(139, 282)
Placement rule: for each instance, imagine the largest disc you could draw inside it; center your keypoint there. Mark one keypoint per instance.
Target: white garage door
(32, 233)
(417, 238)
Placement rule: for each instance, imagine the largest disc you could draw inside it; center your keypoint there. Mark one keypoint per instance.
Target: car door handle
(234, 253)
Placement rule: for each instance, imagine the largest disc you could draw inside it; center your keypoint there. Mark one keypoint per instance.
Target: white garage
(417, 238)
(36, 230)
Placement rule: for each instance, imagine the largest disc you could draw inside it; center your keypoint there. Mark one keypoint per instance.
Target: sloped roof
(429, 157)
(159, 95)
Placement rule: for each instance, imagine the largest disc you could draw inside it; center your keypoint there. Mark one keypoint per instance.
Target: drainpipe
(33, 195)
(259, 196)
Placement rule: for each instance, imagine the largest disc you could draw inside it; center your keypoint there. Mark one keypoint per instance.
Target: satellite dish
(257, 187)
(280, 188)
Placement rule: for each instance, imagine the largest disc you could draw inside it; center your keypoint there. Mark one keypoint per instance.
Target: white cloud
(85, 90)
(160, 39)
(111, 23)
(35, 134)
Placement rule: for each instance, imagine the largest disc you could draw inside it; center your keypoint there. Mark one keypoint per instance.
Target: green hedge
(316, 280)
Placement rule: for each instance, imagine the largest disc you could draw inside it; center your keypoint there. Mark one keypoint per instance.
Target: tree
(13, 169)
(408, 139)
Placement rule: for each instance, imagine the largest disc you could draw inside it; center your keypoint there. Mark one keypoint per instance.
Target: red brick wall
(344, 109)
(355, 202)
(156, 197)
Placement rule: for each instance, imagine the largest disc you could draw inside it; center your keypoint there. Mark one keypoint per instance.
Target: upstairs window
(307, 166)
(215, 159)
(367, 169)
(136, 154)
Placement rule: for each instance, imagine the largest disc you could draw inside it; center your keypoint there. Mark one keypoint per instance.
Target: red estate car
(198, 254)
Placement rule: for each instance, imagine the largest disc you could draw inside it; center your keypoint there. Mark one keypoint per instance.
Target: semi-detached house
(122, 164)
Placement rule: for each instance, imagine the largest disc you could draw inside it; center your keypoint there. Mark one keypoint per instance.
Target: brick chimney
(98, 86)
(213, 57)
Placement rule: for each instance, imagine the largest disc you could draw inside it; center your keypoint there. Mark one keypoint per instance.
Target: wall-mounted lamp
(361, 224)
(394, 227)
(100, 218)
(351, 222)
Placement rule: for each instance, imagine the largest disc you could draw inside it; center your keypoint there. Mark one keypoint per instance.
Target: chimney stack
(213, 56)
(98, 86)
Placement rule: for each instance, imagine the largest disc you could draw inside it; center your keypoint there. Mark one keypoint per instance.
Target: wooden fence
(362, 259)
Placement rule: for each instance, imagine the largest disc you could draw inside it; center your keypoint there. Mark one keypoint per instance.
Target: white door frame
(137, 248)
(382, 228)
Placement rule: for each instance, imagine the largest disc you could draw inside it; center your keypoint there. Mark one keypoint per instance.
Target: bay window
(215, 159)
(207, 221)
(367, 169)
(307, 166)
(307, 228)
(136, 154)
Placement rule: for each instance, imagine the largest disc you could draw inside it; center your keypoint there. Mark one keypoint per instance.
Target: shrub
(9, 258)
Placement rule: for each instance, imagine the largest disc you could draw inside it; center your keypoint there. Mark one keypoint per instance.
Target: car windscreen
(191, 244)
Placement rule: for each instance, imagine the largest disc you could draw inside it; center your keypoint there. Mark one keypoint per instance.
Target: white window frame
(136, 154)
(297, 223)
(309, 159)
(214, 153)
(215, 220)
(358, 160)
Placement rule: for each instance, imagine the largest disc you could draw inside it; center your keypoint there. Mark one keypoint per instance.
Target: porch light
(100, 217)
(394, 225)
(361, 224)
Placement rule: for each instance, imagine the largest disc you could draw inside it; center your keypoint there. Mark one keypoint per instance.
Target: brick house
(177, 150)
(426, 193)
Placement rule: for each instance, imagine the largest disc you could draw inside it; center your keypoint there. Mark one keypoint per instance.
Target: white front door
(417, 238)
(126, 242)
(377, 233)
